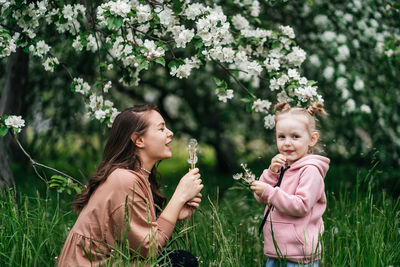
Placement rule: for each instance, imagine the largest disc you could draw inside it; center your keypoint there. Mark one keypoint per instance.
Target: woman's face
(155, 142)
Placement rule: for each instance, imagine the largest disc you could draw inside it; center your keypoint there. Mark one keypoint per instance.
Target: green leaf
(246, 100)
(177, 6)
(248, 107)
(118, 23)
(144, 64)
(3, 131)
(275, 44)
(173, 63)
(114, 23)
(161, 61)
(198, 44)
(218, 81)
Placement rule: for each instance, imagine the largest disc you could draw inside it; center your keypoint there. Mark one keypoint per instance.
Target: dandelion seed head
(237, 176)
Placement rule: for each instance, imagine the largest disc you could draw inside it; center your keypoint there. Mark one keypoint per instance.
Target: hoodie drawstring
(283, 170)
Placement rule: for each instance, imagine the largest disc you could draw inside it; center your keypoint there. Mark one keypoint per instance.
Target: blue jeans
(271, 262)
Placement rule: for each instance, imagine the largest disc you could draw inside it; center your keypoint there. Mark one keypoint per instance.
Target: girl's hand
(190, 207)
(277, 162)
(189, 187)
(258, 187)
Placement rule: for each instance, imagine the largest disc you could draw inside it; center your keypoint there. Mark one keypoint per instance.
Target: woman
(120, 200)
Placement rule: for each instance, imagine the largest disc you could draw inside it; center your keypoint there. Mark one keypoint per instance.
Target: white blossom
(288, 31)
(365, 109)
(269, 121)
(107, 86)
(341, 82)
(240, 22)
(143, 13)
(272, 64)
(77, 45)
(254, 68)
(292, 73)
(50, 63)
(81, 86)
(343, 53)
(297, 56)
(358, 84)
(194, 10)
(328, 72)
(224, 95)
(350, 105)
(15, 122)
(261, 106)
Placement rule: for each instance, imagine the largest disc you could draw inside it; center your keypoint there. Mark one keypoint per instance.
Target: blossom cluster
(353, 50)
(11, 122)
(133, 35)
(100, 109)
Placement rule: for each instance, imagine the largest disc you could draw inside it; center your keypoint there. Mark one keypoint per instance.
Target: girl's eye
(296, 136)
(281, 136)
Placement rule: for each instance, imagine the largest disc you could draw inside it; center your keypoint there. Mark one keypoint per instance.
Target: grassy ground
(362, 221)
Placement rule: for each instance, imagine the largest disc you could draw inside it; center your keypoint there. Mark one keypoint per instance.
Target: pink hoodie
(298, 205)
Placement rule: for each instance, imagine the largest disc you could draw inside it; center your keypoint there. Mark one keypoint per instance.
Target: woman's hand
(189, 186)
(258, 187)
(277, 162)
(190, 207)
(186, 195)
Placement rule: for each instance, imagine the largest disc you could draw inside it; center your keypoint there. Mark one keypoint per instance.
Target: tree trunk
(226, 156)
(12, 102)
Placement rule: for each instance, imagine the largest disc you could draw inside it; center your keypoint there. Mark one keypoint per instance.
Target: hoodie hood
(321, 162)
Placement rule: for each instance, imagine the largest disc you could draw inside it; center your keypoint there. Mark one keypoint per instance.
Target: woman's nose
(170, 133)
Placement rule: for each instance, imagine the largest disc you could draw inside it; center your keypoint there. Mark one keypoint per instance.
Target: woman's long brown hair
(120, 152)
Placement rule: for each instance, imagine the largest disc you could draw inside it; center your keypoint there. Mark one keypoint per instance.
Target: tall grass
(362, 228)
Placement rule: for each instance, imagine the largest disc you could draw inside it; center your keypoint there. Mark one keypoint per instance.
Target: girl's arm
(308, 192)
(267, 177)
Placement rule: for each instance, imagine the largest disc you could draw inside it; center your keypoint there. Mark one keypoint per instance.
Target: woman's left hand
(190, 207)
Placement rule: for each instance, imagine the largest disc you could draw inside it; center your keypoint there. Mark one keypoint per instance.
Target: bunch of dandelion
(247, 176)
(192, 160)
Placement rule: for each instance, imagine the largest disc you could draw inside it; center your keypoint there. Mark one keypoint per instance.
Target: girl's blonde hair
(284, 109)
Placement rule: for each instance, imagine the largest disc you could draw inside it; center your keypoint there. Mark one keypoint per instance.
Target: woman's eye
(162, 129)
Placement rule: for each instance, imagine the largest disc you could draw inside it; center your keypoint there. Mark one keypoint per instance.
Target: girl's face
(154, 144)
(293, 138)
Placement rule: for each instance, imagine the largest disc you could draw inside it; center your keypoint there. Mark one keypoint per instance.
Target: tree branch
(33, 162)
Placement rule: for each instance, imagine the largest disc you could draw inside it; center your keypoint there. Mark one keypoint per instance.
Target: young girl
(293, 189)
(119, 204)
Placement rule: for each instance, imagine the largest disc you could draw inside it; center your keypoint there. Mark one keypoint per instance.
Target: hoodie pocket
(287, 241)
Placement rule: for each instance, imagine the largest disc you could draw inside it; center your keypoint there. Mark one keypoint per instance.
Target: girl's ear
(137, 140)
(314, 139)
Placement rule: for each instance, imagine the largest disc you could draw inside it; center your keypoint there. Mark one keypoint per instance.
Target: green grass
(362, 227)
(362, 220)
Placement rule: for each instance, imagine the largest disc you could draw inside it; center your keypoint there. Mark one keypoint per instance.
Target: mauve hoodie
(298, 205)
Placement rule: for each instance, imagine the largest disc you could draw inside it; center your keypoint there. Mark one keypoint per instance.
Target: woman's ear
(314, 139)
(137, 140)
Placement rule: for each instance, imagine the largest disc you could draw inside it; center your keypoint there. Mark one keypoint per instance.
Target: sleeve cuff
(273, 174)
(267, 193)
(166, 226)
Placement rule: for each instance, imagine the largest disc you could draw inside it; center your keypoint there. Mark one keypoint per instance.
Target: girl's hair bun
(316, 108)
(282, 106)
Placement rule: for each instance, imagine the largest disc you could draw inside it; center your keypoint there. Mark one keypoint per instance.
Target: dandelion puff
(192, 149)
(238, 176)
